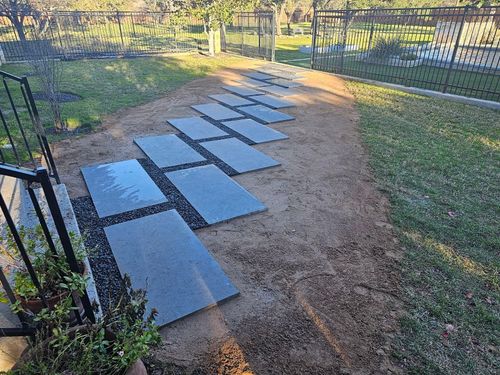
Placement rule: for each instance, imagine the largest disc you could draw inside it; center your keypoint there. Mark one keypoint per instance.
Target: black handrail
(26, 127)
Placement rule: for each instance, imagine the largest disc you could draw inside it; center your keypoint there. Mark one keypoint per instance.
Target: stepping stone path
(254, 131)
(159, 251)
(168, 150)
(120, 187)
(163, 256)
(272, 101)
(238, 155)
(242, 90)
(197, 128)
(266, 114)
(215, 195)
(231, 99)
(216, 111)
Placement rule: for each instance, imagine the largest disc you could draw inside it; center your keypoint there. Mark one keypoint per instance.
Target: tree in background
(16, 11)
(277, 8)
(289, 8)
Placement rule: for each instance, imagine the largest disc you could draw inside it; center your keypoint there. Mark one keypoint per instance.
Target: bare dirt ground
(318, 272)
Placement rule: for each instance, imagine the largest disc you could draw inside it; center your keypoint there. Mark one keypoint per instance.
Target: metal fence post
(455, 50)
(273, 37)
(314, 35)
(120, 27)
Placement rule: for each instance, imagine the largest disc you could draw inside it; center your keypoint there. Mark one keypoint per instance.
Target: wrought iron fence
(449, 49)
(250, 34)
(23, 142)
(99, 34)
(39, 177)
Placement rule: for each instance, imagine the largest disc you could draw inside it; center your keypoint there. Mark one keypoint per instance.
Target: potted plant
(56, 279)
(113, 346)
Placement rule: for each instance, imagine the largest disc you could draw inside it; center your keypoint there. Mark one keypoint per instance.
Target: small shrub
(408, 56)
(386, 47)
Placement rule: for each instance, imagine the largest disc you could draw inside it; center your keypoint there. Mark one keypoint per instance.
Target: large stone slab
(215, 195)
(196, 128)
(168, 150)
(238, 155)
(253, 82)
(216, 111)
(272, 101)
(164, 257)
(258, 75)
(121, 187)
(278, 90)
(231, 99)
(254, 131)
(285, 83)
(242, 90)
(266, 114)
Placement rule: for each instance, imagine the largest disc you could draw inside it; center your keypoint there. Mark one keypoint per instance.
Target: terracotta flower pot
(35, 305)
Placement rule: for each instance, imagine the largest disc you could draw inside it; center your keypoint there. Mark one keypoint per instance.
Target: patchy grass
(107, 85)
(439, 163)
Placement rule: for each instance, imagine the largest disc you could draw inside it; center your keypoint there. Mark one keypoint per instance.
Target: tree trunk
(19, 26)
(277, 18)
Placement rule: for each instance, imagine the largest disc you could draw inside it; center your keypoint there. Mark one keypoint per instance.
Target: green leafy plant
(408, 56)
(51, 268)
(110, 346)
(386, 47)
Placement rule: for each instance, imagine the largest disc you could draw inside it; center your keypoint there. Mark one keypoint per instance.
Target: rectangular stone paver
(258, 75)
(285, 83)
(266, 114)
(215, 195)
(272, 101)
(278, 90)
(216, 111)
(163, 256)
(242, 90)
(121, 187)
(231, 99)
(168, 150)
(238, 155)
(196, 128)
(254, 131)
(253, 82)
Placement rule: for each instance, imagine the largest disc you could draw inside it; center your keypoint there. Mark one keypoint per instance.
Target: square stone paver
(238, 155)
(242, 90)
(272, 101)
(196, 128)
(216, 111)
(215, 195)
(266, 114)
(231, 99)
(121, 187)
(168, 150)
(258, 75)
(254, 131)
(278, 90)
(163, 256)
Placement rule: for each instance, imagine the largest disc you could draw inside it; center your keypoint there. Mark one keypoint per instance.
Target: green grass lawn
(107, 85)
(439, 163)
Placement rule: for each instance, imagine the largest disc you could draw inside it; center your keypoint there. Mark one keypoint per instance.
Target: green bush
(386, 47)
(408, 56)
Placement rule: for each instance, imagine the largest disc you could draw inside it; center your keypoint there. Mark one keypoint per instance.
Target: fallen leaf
(469, 295)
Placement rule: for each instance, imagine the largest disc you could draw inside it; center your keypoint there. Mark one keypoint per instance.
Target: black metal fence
(39, 177)
(250, 34)
(23, 142)
(99, 34)
(449, 49)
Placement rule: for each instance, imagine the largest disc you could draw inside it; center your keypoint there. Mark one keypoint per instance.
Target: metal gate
(449, 49)
(250, 34)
